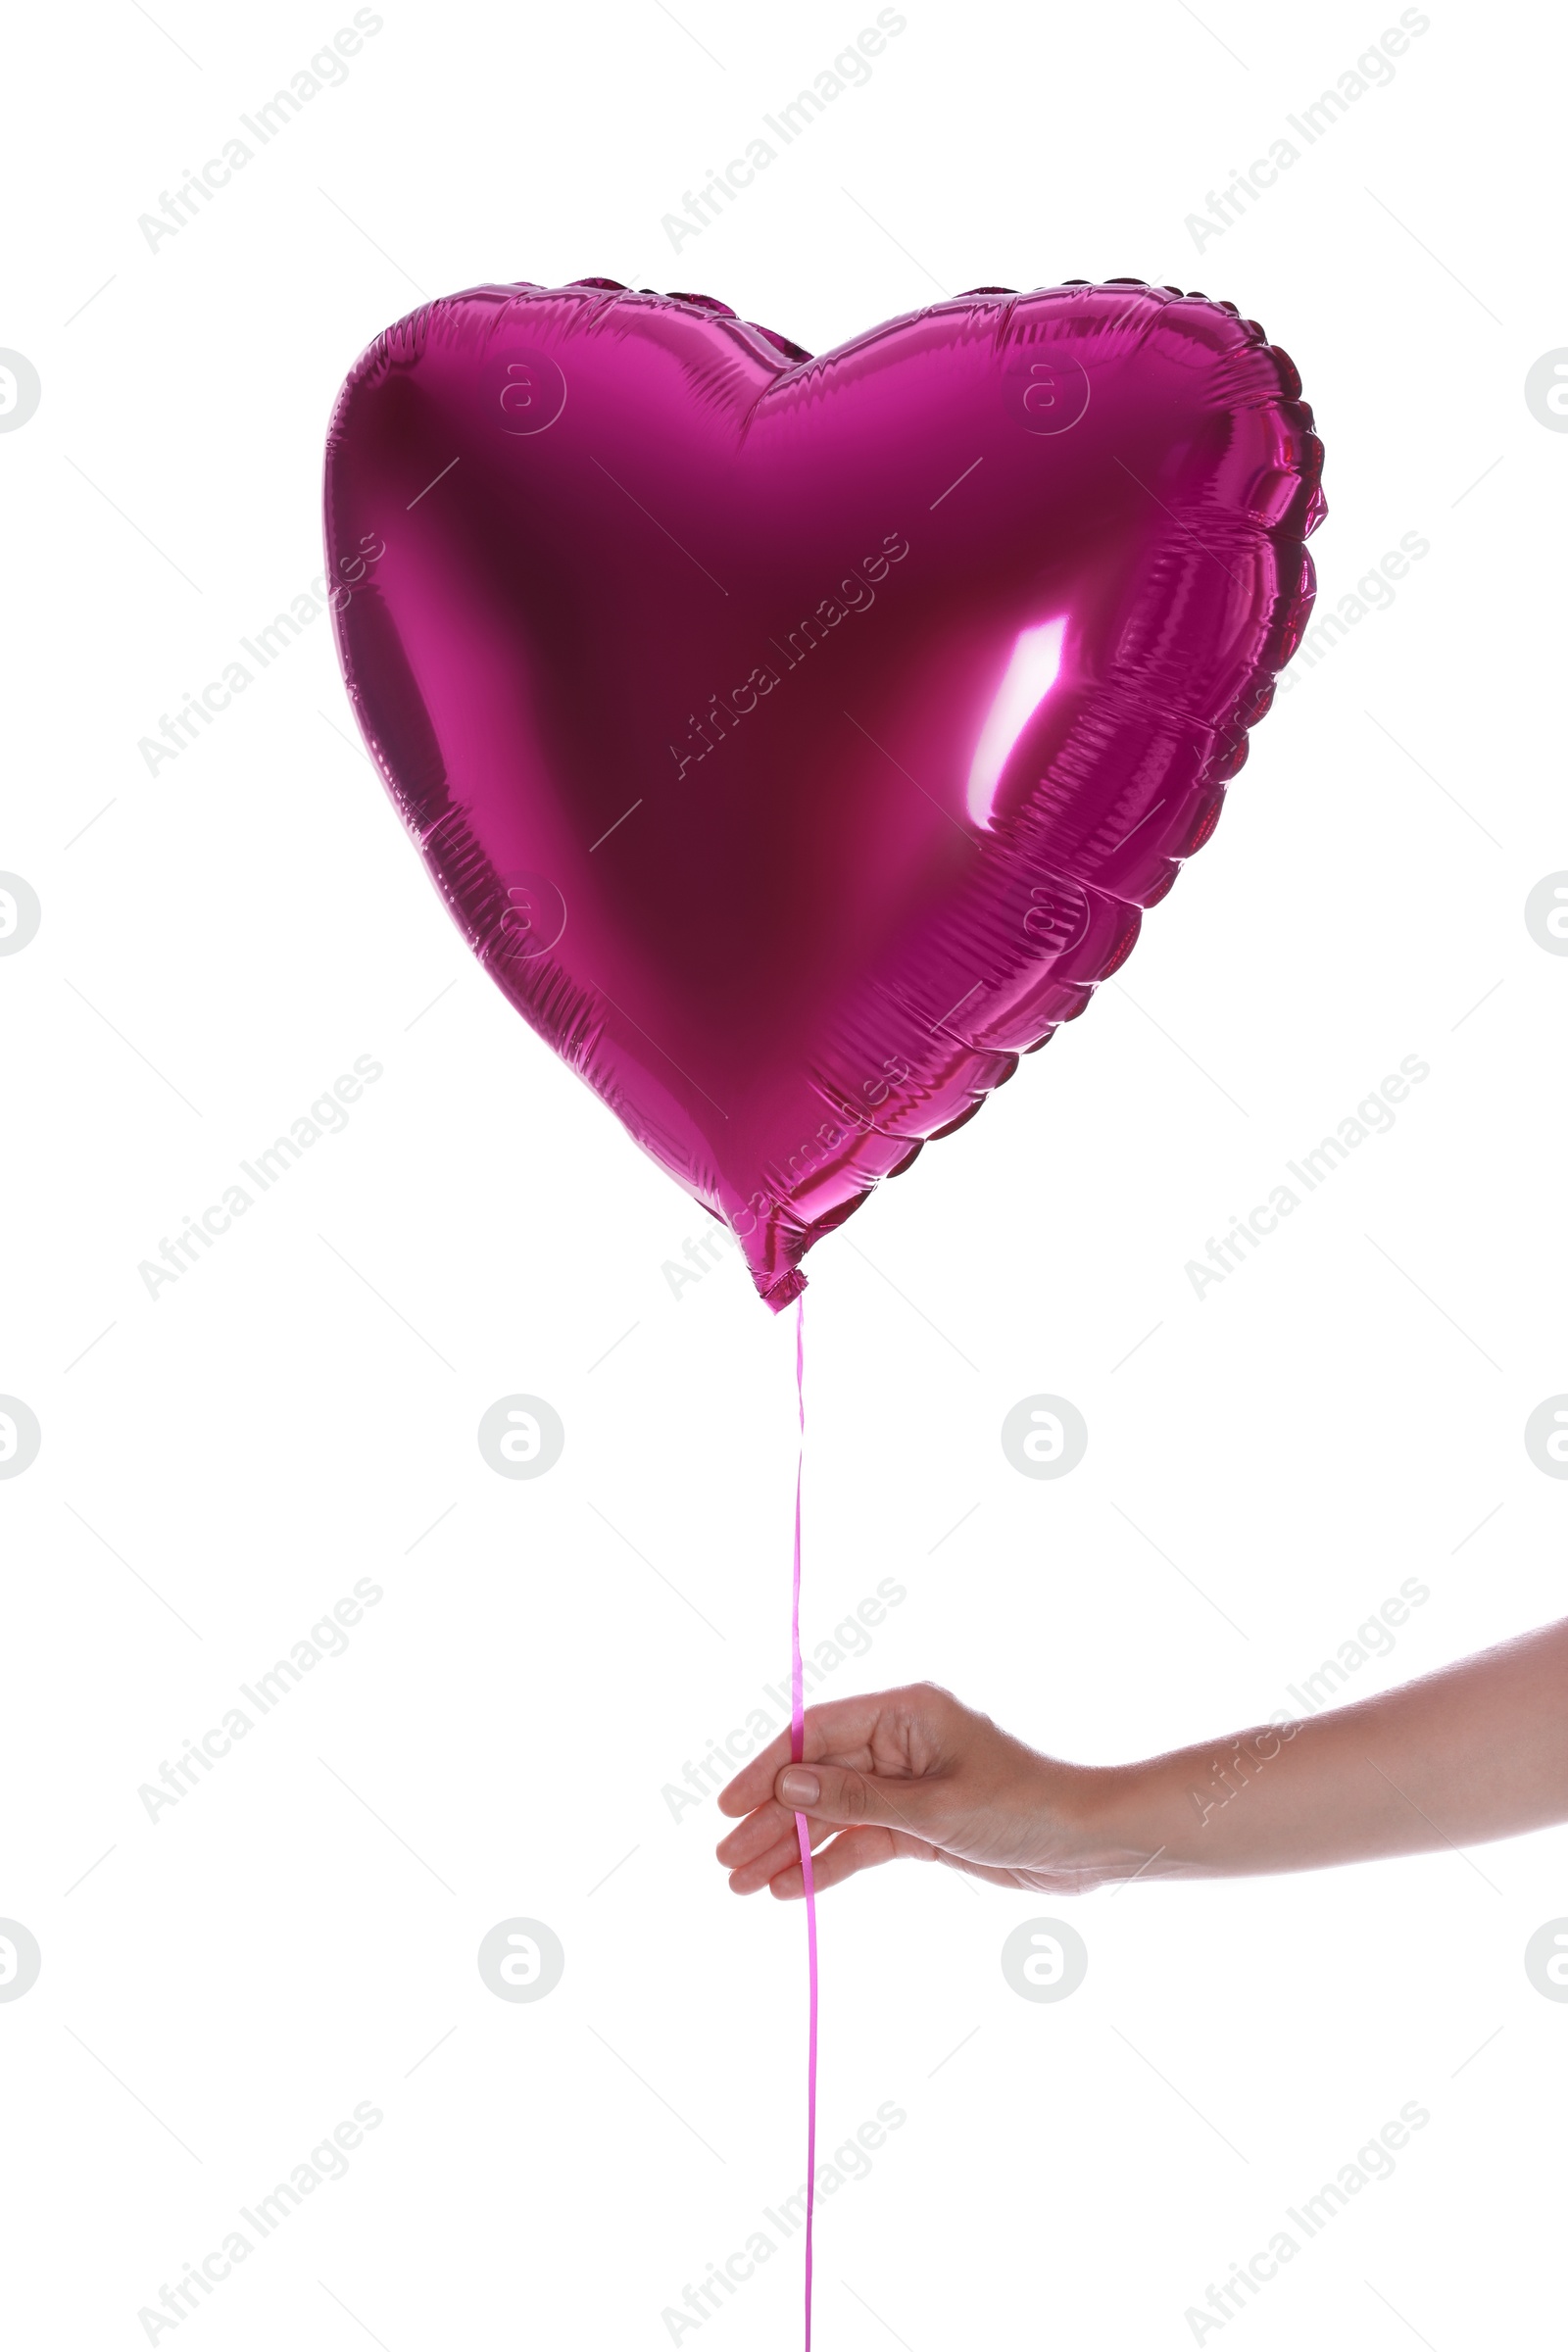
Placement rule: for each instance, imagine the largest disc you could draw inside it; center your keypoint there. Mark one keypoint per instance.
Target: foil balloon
(797, 741)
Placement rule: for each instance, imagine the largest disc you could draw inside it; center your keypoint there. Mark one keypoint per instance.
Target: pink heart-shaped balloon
(796, 740)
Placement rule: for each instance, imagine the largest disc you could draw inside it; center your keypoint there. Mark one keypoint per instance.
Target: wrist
(1123, 1822)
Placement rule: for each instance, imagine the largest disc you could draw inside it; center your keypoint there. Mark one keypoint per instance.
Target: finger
(773, 1824)
(841, 1725)
(756, 1833)
(852, 1850)
(749, 1878)
(764, 1864)
(837, 1792)
(752, 1785)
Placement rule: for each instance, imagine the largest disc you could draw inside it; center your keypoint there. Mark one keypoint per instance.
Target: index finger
(839, 1728)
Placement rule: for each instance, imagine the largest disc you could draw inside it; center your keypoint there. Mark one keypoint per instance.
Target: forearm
(1477, 1751)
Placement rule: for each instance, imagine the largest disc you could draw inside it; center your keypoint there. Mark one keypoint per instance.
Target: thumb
(840, 1797)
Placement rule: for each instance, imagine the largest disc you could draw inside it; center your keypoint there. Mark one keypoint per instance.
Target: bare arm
(1478, 1751)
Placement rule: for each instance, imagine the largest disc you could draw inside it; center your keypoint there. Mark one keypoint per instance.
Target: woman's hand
(914, 1774)
(1477, 1750)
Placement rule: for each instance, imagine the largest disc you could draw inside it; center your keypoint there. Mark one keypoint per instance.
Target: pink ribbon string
(802, 1826)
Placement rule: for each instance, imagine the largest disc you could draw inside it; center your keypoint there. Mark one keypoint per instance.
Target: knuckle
(932, 1700)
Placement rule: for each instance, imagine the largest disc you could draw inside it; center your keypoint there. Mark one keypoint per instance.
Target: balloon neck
(784, 1288)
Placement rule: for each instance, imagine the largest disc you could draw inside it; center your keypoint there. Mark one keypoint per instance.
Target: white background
(223, 1462)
